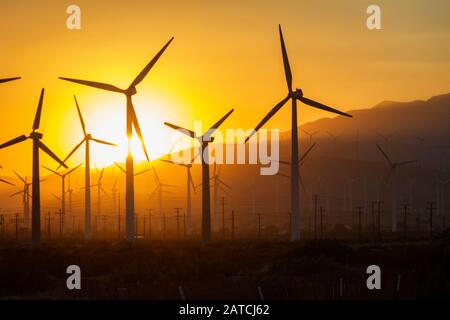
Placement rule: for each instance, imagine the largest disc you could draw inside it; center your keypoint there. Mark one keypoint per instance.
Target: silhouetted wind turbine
(63, 188)
(190, 183)
(393, 167)
(25, 198)
(334, 138)
(159, 190)
(87, 171)
(99, 192)
(204, 140)
(294, 96)
(300, 163)
(131, 121)
(311, 135)
(37, 145)
(9, 79)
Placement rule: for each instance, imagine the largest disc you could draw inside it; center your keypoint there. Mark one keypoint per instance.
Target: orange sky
(225, 54)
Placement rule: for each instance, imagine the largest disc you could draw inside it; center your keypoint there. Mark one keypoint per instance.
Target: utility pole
(405, 219)
(373, 219)
(259, 215)
(321, 222)
(73, 224)
(178, 216)
(15, 220)
(316, 200)
(49, 225)
(232, 225)
(2, 226)
(431, 209)
(60, 214)
(118, 216)
(360, 209)
(223, 217)
(150, 223)
(379, 203)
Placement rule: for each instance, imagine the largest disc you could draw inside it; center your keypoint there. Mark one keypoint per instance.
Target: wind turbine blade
(18, 176)
(7, 182)
(283, 175)
(284, 162)
(57, 197)
(300, 179)
(53, 171)
(321, 106)
(150, 65)
(101, 175)
(156, 175)
(223, 183)
(73, 151)
(306, 153)
(106, 194)
(135, 122)
(37, 118)
(268, 116)
(13, 141)
(142, 172)
(153, 193)
(175, 163)
(191, 181)
(83, 126)
(9, 79)
(209, 133)
(385, 155)
(44, 148)
(104, 142)
(168, 185)
(73, 169)
(16, 193)
(287, 68)
(406, 162)
(98, 85)
(187, 132)
(120, 167)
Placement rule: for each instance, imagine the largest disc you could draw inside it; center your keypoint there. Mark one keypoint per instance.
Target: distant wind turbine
(310, 134)
(204, 140)
(87, 138)
(159, 191)
(393, 168)
(63, 188)
(300, 164)
(37, 145)
(294, 96)
(190, 183)
(131, 122)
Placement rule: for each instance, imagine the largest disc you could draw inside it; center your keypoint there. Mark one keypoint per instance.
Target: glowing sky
(225, 54)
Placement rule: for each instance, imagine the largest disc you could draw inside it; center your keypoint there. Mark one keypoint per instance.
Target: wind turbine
(159, 190)
(190, 183)
(63, 188)
(204, 140)
(9, 79)
(87, 170)
(218, 183)
(131, 121)
(37, 146)
(311, 135)
(99, 192)
(300, 164)
(393, 168)
(294, 96)
(334, 138)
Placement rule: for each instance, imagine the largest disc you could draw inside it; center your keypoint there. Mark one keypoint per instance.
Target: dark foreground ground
(325, 269)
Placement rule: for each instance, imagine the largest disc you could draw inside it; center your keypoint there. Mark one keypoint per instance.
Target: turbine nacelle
(36, 135)
(131, 91)
(297, 94)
